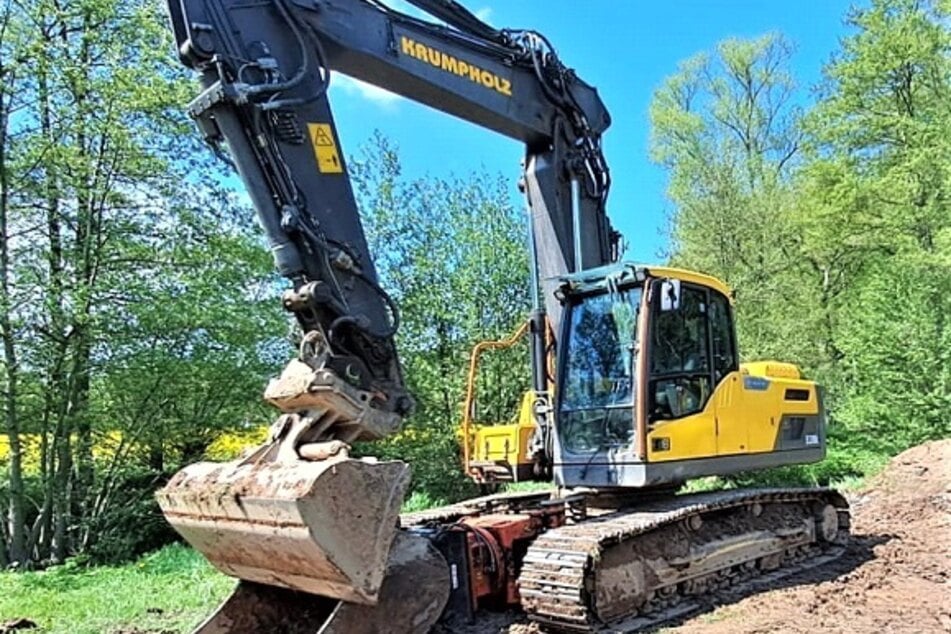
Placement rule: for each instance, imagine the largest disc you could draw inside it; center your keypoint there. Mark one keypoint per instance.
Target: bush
(848, 458)
(132, 525)
(433, 456)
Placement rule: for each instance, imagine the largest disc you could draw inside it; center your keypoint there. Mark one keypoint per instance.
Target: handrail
(477, 351)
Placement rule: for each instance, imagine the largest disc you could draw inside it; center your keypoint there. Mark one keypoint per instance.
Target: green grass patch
(527, 487)
(170, 590)
(421, 501)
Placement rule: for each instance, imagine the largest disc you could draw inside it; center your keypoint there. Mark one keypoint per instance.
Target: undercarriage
(623, 570)
(575, 561)
(574, 565)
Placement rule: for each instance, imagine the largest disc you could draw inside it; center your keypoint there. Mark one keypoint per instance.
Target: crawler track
(640, 567)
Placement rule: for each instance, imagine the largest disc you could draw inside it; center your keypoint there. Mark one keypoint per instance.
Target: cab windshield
(597, 392)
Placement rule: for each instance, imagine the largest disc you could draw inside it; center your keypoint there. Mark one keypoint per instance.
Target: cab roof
(627, 272)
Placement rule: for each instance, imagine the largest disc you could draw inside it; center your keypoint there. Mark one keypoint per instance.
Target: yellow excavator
(636, 381)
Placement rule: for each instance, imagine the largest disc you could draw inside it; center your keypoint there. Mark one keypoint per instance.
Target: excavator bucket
(312, 533)
(299, 512)
(412, 597)
(318, 526)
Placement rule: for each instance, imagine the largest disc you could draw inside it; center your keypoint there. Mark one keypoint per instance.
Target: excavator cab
(650, 390)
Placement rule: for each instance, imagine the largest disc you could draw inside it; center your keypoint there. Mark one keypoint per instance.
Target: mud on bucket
(323, 527)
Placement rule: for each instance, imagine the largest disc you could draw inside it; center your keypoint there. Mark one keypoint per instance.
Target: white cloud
(375, 94)
(484, 14)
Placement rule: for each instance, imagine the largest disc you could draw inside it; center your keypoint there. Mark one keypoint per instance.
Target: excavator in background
(636, 389)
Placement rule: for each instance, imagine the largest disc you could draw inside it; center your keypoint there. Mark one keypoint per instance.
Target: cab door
(681, 413)
(731, 425)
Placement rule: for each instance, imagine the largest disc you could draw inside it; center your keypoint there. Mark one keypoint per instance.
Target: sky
(625, 48)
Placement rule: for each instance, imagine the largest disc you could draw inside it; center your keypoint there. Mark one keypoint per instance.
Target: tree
(452, 253)
(880, 222)
(13, 539)
(833, 223)
(131, 294)
(727, 129)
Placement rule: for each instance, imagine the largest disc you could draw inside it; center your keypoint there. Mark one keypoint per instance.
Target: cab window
(597, 391)
(680, 370)
(721, 330)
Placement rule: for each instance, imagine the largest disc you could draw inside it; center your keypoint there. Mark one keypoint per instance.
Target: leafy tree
(130, 295)
(726, 127)
(452, 252)
(833, 224)
(897, 347)
(880, 222)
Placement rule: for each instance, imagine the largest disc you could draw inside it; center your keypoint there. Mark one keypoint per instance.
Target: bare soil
(893, 578)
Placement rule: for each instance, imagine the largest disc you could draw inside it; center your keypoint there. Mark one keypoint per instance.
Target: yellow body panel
(504, 445)
(743, 415)
(772, 369)
(692, 436)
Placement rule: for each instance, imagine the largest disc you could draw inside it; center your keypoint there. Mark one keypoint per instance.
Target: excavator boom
(266, 68)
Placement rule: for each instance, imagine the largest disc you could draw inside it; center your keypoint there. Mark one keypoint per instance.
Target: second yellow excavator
(636, 389)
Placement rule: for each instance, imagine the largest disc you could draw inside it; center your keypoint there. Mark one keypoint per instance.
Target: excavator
(636, 385)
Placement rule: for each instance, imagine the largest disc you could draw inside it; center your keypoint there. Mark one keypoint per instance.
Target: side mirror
(669, 295)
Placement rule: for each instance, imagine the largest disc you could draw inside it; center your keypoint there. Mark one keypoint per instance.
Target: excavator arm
(266, 67)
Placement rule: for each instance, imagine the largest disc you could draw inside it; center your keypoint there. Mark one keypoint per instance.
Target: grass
(420, 501)
(170, 590)
(527, 487)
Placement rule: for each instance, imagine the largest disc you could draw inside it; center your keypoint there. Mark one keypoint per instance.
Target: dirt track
(893, 578)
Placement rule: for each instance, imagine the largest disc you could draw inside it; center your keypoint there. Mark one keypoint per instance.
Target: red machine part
(497, 542)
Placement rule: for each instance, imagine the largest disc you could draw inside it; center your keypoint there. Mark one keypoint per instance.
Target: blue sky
(625, 48)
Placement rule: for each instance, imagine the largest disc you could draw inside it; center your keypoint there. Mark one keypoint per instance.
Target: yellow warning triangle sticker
(325, 148)
(322, 138)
